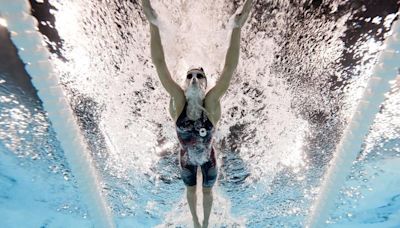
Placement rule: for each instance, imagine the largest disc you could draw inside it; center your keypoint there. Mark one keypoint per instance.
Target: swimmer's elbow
(158, 59)
(230, 66)
(231, 63)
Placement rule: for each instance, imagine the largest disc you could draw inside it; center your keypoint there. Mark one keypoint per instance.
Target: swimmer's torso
(195, 137)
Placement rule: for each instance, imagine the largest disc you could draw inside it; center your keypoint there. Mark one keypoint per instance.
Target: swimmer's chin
(194, 92)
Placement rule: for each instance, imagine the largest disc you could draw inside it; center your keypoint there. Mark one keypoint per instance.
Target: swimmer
(195, 112)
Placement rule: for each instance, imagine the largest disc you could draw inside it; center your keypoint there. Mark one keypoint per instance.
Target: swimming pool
(303, 68)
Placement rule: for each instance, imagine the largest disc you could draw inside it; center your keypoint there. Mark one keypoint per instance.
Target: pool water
(303, 68)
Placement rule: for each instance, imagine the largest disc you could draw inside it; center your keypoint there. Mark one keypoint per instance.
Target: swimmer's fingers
(247, 7)
(149, 12)
(241, 18)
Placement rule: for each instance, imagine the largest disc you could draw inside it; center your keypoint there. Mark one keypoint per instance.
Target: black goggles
(197, 75)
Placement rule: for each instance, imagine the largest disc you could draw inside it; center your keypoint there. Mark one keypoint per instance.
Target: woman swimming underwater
(195, 112)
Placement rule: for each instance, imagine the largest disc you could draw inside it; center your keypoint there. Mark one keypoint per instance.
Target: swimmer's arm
(212, 99)
(157, 55)
(232, 55)
(231, 62)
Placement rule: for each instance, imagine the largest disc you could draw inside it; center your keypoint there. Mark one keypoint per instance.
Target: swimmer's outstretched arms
(194, 112)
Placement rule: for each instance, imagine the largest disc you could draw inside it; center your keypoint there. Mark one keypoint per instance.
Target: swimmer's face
(196, 78)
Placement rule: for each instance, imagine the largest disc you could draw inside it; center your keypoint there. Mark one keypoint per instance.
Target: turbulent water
(303, 66)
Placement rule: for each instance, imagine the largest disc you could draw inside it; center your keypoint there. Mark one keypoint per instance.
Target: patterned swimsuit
(195, 137)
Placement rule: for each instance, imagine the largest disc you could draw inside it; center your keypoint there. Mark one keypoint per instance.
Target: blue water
(302, 69)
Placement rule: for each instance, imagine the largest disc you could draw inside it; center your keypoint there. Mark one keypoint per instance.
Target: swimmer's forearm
(231, 62)
(157, 52)
(232, 55)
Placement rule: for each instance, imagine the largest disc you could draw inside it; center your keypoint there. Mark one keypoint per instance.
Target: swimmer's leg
(192, 201)
(210, 173)
(188, 174)
(207, 205)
